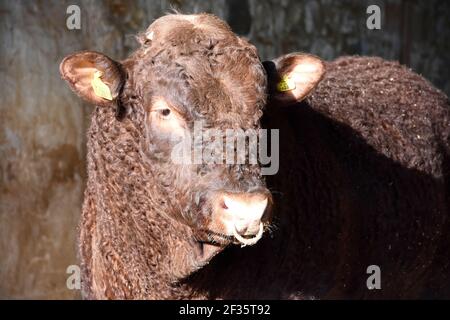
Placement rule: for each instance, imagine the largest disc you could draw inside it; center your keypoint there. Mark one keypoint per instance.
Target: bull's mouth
(220, 239)
(209, 243)
(216, 238)
(205, 251)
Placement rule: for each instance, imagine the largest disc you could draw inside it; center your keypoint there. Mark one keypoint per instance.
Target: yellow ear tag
(285, 84)
(100, 88)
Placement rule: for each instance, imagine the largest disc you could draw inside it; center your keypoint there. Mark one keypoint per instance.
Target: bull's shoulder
(373, 85)
(395, 110)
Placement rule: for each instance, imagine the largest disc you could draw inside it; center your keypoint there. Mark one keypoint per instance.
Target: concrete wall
(43, 125)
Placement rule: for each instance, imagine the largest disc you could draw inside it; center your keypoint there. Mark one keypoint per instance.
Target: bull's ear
(292, 77)
(93, 76)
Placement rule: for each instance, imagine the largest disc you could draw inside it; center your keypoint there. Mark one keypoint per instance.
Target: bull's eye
(165, 112)
(164, 118)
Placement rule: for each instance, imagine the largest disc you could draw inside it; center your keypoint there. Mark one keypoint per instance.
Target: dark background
(43, 124)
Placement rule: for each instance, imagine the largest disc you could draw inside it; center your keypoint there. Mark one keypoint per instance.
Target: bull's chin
(209, 250)
(208, 244)
(205, 251)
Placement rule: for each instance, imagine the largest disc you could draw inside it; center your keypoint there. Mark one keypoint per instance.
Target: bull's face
(194, 88)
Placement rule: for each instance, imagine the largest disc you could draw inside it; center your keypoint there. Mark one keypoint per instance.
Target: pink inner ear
(85, 86)
(305, 71)
(85, 74)
(78, 70)
(75, 70)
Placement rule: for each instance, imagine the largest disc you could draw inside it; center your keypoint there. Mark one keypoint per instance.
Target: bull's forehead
(225, 78)
(181, 29)
(225, 84)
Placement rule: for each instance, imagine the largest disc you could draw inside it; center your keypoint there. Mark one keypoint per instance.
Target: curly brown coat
(364, 180)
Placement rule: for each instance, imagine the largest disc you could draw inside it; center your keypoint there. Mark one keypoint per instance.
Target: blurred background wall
(43, 124)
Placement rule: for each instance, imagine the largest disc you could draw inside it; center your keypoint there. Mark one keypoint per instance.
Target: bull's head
(190, 70)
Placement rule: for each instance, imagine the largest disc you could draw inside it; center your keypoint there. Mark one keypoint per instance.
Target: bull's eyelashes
(292, 77)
